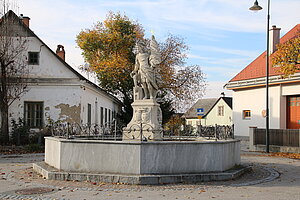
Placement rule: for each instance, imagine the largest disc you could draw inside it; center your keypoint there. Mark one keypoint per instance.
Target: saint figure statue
(144, 73)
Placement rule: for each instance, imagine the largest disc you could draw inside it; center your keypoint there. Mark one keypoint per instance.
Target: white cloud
(215, 88)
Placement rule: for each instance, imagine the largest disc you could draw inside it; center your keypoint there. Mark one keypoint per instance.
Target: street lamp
(256, 7)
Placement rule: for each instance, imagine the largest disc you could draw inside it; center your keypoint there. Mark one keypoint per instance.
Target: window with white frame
(220, 110)
(246, 114)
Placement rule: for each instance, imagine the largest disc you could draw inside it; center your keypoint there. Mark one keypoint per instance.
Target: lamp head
(255, 7)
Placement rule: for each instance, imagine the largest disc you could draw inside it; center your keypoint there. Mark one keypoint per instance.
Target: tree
(108, 48)
(174, 125)
(183, 83)
(287, 56)
(13, 45)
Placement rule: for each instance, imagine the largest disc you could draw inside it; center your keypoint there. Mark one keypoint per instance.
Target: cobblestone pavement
(270, 178)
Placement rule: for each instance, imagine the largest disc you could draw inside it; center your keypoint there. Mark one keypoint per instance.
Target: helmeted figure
(144, 73)
(146, 122)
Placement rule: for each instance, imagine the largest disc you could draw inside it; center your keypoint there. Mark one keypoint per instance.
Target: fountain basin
(141, 158)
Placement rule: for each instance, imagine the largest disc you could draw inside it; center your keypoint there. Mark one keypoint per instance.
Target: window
(33, 58)
(246, 114)
(294, 101)
(220, 110)
(96, 112)
(114, 114)
(109, 115)
(33, 114)
(89, 117)
(105, 116)
(101, 116)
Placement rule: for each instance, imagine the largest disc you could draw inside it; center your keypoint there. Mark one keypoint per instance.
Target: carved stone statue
(144, 73)
(147, 115)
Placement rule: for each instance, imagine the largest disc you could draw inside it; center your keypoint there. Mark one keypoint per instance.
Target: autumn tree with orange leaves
(287, 56)
(108, 49)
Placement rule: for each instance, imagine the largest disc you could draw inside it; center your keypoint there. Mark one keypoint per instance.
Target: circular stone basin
(31, 191)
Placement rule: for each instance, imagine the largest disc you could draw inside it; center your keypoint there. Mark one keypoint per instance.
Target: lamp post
(256, 7)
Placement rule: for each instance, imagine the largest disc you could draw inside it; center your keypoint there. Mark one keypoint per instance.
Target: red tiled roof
(257, 68)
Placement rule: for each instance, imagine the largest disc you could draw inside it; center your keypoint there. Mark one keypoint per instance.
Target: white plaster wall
(212, 117)
(90, 96)
(291, 89)
(275, 102)
(254, 99)
(195, 122)
(54, 98)
(49, 66)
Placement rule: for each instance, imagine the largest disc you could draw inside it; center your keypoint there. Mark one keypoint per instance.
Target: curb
(51, 173)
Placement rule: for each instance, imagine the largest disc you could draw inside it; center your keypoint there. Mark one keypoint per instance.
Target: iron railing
(114, 131)
(107, 131)
(217, 132)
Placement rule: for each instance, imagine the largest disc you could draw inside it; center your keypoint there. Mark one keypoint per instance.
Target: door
(293, 112)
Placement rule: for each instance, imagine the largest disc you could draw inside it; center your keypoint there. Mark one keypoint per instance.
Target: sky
(223, 36)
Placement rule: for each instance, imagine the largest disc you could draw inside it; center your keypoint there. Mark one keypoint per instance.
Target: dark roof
(10, 13)
(207, 105)
(228, 100)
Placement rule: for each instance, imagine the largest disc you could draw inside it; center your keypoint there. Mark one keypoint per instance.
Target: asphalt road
(271, 178)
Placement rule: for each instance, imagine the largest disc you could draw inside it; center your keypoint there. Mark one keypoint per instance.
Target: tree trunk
(4, 134)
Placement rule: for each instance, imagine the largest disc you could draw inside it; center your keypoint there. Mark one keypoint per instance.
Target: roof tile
(257, 68)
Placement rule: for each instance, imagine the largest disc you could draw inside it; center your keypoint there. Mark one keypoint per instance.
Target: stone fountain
(142, 157)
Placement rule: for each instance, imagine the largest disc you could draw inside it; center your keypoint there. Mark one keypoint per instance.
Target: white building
(209, 112)
(56, 91)
(249, 93)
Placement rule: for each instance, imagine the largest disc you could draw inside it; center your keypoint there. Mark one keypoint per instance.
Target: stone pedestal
(146, 121)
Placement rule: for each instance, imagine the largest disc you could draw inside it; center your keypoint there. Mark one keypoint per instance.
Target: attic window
(246, 114)
(220, 110)
(33, 58)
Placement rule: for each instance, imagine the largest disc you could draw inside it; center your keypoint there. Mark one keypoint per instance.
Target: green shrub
(20, 132)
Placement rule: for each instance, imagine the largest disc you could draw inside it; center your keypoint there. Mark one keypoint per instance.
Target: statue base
(146, 121)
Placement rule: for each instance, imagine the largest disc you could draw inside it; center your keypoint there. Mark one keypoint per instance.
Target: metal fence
(278, 137)
(107, 131)
(217, 132)
(114, 131)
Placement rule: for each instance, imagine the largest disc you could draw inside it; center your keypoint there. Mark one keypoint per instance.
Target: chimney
(60, 51)
(25, 20)
(274, 39)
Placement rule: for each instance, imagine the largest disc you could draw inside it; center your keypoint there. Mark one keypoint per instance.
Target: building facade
(249, 93)
(209, 112)
(55, 90)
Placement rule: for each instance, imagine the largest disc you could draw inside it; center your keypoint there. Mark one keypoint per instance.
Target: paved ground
(271, 178)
